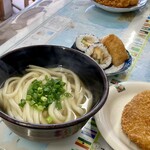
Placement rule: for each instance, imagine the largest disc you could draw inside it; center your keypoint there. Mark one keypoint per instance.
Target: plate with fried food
(124, 120)
(119, 6)
(108, 51)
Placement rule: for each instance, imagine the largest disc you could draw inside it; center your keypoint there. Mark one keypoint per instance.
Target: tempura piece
(116, 49)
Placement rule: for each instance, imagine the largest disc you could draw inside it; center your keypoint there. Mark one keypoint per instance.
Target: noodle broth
(22, 104)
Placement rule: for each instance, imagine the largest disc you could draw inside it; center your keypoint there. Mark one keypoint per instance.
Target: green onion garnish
(49, 119)
(22, 103)
(41, 94)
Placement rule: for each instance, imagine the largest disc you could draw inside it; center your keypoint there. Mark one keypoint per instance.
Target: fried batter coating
(135, 120)
(118, 3)
(116, 49)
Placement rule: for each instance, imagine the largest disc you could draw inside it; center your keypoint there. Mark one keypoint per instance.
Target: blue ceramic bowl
(15, 62)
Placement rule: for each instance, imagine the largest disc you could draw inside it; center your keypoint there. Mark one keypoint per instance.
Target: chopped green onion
(40, 107)
(22, 103)
(43, 98)
(28, 97)
(43, 93)
(32, 102)
(67, 94)
(49, 119)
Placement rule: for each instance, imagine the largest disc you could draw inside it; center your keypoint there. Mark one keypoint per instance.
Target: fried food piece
(135, 120)
(118, 3)
(116, 49)
(133, 2)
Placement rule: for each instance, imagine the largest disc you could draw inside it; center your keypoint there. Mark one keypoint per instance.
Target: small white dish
(120, 10)
(108, 119)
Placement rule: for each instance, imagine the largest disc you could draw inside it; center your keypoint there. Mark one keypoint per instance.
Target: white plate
(118, 10)
(108, 119)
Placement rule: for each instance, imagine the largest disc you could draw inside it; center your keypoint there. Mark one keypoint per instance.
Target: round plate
(119, 10)
(112, 70)
(108, 119)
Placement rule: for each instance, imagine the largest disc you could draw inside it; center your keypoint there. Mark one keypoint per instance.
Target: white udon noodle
(15, 89)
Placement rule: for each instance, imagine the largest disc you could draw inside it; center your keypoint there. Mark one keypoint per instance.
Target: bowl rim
(91, 113)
